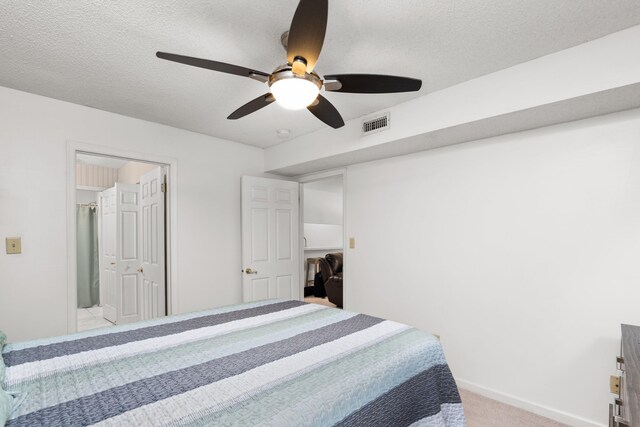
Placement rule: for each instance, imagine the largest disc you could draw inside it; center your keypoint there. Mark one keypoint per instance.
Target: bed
(272, 363)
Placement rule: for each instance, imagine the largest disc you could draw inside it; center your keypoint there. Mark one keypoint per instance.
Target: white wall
(323, 236)
(521, 251)
(33, 136)
(322, 207)
(131, 172)
(323, 213)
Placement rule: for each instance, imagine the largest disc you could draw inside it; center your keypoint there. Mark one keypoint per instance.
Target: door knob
(250, 271)
(140, 270)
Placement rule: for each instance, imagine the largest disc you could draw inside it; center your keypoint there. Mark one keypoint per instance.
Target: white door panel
(107, 250)
(152, 232)
(101, 262)
(128, 287)
(270, 230)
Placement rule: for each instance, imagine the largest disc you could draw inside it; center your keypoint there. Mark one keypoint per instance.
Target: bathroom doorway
(121, 236)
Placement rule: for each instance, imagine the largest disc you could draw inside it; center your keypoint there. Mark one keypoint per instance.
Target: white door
(270, 233)
(128, 286)
(107, 251)
(101, 261)
(152, 260)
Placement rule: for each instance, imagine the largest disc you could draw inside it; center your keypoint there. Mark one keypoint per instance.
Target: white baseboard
(554, 414)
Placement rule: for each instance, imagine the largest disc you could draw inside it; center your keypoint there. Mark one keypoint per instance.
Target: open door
(270, 239)
(119, 259)
(152, 260)
(107, 210)
(128, 289)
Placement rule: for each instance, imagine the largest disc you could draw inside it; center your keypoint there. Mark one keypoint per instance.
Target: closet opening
(121, 240)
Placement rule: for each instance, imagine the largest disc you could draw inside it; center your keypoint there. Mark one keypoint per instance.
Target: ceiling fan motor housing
(286, 72)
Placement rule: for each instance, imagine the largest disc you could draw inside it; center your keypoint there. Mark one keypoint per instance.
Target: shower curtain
(88, 272)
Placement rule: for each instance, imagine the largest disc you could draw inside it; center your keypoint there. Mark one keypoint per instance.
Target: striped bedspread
(271, 363)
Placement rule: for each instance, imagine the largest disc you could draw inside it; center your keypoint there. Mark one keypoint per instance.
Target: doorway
(121, 224)
(322, 203)
(270, 239)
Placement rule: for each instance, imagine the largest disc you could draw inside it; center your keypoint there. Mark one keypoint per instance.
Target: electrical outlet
(14, 245)
(352, 242)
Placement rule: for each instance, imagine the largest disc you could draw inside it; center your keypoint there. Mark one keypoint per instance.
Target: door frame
(319, 176)
(170, 164)
(247, 232)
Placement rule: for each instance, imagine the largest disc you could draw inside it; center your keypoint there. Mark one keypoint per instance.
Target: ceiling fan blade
(372, 83)
(252, 106)
(307, 31)
(214, 65)
(326, 112)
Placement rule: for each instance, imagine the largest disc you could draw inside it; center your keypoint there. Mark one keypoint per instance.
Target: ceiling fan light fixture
(294, 85)
(294, 93)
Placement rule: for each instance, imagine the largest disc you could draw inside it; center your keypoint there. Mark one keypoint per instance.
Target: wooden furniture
(625, 411)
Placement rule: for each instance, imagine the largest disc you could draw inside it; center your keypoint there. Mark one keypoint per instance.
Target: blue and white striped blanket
(272, 363)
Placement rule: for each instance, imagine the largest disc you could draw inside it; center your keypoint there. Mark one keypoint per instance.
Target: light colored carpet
(321, 301)
(481, 411)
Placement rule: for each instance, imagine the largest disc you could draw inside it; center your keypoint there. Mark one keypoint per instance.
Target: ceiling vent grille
(376, 124)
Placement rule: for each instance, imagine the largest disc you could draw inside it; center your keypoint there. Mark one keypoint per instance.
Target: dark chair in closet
(331, 270)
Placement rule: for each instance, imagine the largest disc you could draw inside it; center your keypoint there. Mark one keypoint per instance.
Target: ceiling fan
(295, 85)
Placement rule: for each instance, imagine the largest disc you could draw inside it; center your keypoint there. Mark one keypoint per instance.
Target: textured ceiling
(101, 53)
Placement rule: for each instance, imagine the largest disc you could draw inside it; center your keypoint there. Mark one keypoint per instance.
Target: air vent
(376, 124)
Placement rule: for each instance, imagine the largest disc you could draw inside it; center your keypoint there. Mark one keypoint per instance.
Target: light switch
(14, 245)
(352, 242)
